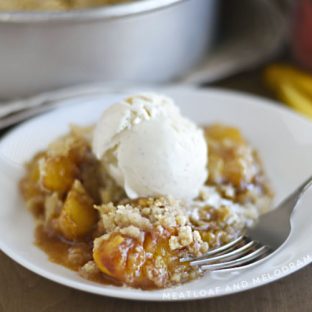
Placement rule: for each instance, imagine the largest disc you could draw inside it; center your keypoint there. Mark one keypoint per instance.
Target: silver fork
(17, 111)
(271, 231)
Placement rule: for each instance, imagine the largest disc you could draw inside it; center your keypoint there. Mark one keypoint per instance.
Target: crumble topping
(210, 221)
(190, 239)
(139, 242)
(145, 215)
(132, 231)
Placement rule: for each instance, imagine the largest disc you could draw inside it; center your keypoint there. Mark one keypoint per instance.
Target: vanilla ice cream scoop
(150, 149)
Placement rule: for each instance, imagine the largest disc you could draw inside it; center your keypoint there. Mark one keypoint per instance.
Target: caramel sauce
(53, 5)
(57, 249)
(70, 184)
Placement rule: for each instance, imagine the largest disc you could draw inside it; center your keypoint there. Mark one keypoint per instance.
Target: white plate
(283, 139)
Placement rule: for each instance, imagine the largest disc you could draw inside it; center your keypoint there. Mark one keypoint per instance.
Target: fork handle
(296, 196)
(290, 203)
(305, 186)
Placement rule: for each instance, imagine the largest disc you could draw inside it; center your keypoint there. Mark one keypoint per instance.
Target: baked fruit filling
(86, 222)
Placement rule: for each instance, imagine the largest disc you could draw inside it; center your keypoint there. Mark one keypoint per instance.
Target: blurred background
(258, 46)
(283, 45)
(52, 50)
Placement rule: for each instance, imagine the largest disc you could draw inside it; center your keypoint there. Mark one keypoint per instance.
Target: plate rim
(143, 295)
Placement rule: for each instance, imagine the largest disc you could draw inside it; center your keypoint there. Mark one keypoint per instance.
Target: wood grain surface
(24, 291)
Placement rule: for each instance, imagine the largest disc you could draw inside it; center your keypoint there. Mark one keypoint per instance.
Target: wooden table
(24, 291)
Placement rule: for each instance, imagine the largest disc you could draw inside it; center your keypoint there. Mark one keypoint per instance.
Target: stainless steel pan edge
(152, 47)
(102, 13)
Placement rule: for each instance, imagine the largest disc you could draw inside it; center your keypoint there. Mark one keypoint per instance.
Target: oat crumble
(89, 225)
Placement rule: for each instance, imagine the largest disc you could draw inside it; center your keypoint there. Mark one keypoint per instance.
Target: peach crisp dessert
(123, 201)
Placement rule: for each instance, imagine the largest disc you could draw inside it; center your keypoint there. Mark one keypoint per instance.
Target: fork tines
(239, 252)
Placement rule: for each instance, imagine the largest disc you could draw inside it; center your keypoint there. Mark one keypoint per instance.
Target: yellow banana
(291, 86)
(274, 74)
(293, 97)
